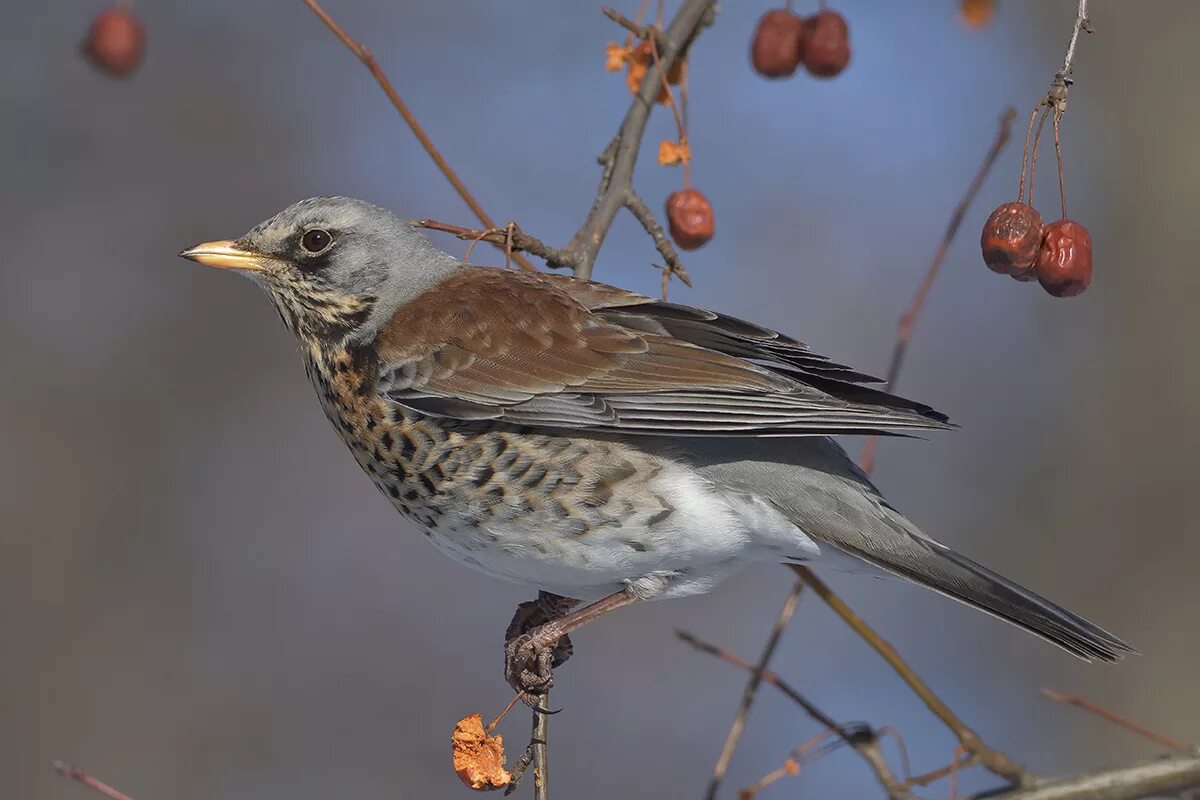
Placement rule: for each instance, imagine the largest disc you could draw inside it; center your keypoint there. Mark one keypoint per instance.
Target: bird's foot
(532, 648)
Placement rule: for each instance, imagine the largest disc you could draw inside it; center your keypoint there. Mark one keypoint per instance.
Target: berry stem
(1062, 191)
(1033, 158)
(1025, 155)
(679, 123)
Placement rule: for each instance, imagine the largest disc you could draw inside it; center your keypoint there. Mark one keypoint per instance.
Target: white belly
(708, 535)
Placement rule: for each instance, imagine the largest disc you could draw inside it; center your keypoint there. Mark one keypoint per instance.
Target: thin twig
(798, 758)
(994, 760)
(541, 745)
(908, 321)
(864, 740)
(1080, 701)
(959, 761)
(76, 774)
(1082, 23)
(1056, 95)
(364, 55)
(535, 754)
(506, 237)
(648, 32)
(643, 214)
(888, 730)
(748, 694)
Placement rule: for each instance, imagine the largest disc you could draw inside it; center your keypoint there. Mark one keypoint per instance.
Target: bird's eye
(316, 240)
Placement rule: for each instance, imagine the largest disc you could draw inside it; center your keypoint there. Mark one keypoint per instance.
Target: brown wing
(544, 350)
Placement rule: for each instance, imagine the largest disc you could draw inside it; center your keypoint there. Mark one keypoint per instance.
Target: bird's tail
(939, 568)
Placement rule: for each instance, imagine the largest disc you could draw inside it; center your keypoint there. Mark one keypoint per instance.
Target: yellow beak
(225, 256)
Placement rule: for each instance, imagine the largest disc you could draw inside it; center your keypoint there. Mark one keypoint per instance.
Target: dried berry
(672, 154)
(826, 44)
(478, 758)
(116, 41)
(690, 218)
(615, 56)
(778, 44)
(639, 59)
(1064, 266)
(1011, 238)
(977, 13)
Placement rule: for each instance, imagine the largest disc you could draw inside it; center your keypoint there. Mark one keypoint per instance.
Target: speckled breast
(475, 480)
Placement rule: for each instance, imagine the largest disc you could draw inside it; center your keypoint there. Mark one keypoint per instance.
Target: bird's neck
(435, 267)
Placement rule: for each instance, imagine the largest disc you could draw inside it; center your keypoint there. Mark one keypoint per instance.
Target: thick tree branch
(1166, 777)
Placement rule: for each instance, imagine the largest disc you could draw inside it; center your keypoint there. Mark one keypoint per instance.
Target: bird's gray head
(336, 268)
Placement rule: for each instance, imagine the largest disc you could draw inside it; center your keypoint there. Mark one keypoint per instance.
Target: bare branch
(1056, 95)
(1080, 701)
(541, 756)
(503, 237)
(1154, 778)
(76, 774)
(620, 156)
(808, 752)
(637, 29)
(1082, 23)
(364, 55)
(674, 265)
(994, 760)
(861, 737)
(908, 321)
(739, 720)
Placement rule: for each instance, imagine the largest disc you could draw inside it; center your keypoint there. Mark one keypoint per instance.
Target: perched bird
(592, 442)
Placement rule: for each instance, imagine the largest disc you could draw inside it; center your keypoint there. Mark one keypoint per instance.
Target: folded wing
(549, 351)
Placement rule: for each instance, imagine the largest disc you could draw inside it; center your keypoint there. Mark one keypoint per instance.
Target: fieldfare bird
(591, 442)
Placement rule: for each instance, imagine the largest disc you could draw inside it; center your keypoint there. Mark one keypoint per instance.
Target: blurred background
(202, 597)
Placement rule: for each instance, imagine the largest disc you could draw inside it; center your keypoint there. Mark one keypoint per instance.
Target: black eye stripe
(315, 240)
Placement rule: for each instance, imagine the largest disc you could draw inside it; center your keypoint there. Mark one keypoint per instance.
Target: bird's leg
(537, 638)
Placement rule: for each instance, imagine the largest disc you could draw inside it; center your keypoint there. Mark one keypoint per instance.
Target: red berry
(826, 44)
(977, 13)
(116, 41)
(1011, 238)
(690, 218)
(778, 44)
(1064, 267)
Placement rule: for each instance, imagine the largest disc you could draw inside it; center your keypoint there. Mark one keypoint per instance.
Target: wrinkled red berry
(778, 44)
(1011, 238)
(690, 218)
(116, 41)
(826, 44)
(1064, 266)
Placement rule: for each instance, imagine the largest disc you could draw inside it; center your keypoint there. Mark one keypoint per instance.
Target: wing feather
(549, 351)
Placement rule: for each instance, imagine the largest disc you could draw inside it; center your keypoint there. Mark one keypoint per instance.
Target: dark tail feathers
(959, 577)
